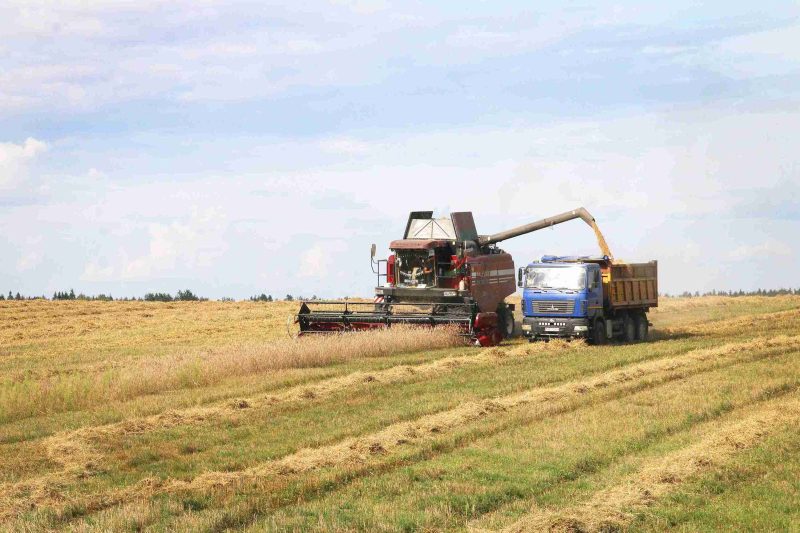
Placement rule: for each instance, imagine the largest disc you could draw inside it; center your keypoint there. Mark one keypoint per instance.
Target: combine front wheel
(506, 316)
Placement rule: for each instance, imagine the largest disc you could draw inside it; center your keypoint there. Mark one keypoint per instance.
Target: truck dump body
(631, 285)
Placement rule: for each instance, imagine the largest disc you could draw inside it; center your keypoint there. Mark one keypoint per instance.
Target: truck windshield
(571, 278)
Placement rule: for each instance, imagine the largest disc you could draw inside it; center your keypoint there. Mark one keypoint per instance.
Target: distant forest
(180, 296)
(189, 296)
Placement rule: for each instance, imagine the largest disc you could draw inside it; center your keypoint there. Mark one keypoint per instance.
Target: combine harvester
(441, 273)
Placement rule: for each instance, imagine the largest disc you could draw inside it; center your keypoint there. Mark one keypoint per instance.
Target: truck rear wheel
(642, 327)
(628, 329)
(599, 332)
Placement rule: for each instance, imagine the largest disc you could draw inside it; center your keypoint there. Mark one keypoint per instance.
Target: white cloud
(769, 248)
(344, 145)
(49, 21)
(319, 260)
(94, 174)
(29, 261)
(94, 272)
(783, 42)
(183, 247)
(752, 55)
(666, 50)
(14, 161)
(188, 245)
(362, 7)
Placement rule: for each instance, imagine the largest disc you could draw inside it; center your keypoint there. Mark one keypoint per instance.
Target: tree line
(734, 294)
(189, 296)
(181, 296)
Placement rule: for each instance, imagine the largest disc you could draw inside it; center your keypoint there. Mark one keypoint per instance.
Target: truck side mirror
(519, 277)
(372, 252)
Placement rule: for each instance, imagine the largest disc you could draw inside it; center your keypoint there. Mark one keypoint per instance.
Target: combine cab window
(416, 269)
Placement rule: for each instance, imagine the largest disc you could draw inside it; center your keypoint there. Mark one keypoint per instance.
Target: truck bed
(632, 285)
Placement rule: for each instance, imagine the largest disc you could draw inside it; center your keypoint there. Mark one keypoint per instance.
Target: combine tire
(642, 327)
(628, 329)
(506, 319)
(508, 324)
(599, 332)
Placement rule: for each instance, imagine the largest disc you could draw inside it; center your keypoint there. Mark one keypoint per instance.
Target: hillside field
(206, 416)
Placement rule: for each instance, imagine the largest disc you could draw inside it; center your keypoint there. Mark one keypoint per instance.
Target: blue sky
(244, 147)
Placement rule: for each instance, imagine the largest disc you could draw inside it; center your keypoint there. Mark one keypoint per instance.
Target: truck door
(594, 292)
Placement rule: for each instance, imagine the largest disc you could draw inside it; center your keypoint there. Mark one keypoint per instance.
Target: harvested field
(202, 416)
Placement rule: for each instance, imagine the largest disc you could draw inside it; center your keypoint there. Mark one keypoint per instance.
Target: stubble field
(204, 416)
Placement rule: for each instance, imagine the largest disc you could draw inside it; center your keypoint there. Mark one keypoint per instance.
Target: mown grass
(486, 472)
(759, 491)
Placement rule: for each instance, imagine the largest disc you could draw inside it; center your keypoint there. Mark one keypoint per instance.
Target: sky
(235, 148)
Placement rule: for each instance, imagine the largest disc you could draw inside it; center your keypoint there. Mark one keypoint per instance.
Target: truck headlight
(581, 328)
(526, 327)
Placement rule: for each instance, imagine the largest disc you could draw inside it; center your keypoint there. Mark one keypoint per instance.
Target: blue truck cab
(561, 297)
(595, 298)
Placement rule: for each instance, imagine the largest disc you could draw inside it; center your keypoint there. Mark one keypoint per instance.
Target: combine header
(440, 272)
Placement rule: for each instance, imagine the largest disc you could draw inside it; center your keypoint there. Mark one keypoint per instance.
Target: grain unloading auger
(441, 272)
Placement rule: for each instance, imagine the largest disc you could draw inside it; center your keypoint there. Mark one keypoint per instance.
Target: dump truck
(442, 272)
(583, 297)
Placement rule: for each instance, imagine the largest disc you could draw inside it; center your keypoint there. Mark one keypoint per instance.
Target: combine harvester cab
(440, 273)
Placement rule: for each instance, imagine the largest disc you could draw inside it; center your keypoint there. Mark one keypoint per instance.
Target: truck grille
(554, 307)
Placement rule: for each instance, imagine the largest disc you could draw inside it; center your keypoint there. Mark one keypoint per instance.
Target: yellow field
(207, 416)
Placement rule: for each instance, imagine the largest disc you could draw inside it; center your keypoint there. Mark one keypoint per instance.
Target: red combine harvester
(440, 272)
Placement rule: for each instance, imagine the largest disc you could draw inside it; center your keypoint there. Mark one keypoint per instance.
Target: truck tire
(628, 328)
(642, 327)
(599, 332)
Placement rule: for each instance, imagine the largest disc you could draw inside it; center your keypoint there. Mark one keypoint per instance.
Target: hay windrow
(84, 365)
(319, 390)
(612, 508)
(76, 452)
(356, 450)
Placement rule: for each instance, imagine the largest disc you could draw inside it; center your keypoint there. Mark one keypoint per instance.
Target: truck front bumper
(555, 327)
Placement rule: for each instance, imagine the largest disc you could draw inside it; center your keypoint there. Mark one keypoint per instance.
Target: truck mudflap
(318, 316)
(549, 327)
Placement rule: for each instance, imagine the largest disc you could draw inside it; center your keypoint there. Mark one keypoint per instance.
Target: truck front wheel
(599, 332)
